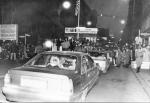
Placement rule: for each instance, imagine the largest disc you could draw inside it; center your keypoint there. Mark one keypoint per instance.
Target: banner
(9, 32)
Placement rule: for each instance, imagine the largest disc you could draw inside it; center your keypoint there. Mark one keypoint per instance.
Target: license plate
(33, 82)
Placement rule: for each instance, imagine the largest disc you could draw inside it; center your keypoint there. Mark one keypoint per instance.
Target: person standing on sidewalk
(13, 51)
(139, 58)
(119, 56)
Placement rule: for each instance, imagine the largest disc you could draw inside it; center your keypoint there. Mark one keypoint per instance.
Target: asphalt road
(117, 85)
(5, 65)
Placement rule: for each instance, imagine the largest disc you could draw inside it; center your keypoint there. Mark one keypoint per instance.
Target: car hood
(98, 58)
(70, 74)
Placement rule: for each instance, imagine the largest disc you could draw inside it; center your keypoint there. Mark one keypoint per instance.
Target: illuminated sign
(82, 30)
(8, 32)
(70, 30)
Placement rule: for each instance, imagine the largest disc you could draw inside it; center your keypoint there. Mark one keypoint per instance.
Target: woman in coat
(139, 58)
(118, 57)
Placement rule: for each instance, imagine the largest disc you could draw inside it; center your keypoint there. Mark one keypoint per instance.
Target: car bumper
(21, 95)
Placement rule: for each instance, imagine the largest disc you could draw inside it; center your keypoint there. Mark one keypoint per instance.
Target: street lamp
(25, 42)
(122, 21)
(48, 44)
(101, 14)
(121, 31)
(66, 4)
(89, 23)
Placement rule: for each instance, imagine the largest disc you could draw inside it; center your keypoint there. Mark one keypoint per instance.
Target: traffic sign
(86, 30)
(82, 30)
(70, 30)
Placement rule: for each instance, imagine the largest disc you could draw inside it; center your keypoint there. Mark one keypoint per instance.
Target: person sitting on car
(54, 61)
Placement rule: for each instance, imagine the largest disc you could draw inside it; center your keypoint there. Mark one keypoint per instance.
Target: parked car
(101, 60)
(52, 76)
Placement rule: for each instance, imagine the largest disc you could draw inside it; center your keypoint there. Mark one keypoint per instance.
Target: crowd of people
(19, 51)
(123, 56)
(11, 50)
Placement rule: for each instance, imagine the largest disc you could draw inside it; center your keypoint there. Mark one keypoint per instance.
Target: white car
(101, 60)
(52, 76)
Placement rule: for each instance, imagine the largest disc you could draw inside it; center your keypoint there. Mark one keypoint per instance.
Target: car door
(91, 71)
(84, 74)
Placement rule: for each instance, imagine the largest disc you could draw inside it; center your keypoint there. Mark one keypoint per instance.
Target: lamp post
(67, 4)
(25, 42)
(25, 38)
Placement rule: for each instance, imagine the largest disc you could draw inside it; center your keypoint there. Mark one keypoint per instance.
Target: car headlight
(7, 79)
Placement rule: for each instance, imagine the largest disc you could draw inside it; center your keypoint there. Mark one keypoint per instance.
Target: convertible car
(101, 60)
(59, 76)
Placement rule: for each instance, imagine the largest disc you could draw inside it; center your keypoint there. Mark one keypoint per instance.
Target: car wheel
(83, 96)
(9, 101)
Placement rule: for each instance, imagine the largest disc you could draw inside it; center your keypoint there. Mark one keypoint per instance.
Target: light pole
(26, 35)
(25, 38)
(133, 11)
(67, 4)
(25, 42)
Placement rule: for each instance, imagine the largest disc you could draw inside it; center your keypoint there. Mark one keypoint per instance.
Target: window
(94, 54)
(66, 62)
(40, 61)
(84, 65)
(90, 62)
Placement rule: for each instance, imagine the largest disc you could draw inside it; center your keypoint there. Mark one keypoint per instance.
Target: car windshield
(97, 54)
(94, 54)
(66, 62)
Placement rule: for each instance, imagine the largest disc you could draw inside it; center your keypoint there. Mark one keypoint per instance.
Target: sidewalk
(144, 79)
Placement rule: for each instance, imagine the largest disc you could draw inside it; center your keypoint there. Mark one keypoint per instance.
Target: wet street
(117, 85)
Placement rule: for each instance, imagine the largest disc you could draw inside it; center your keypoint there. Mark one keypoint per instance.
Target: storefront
(143, 41)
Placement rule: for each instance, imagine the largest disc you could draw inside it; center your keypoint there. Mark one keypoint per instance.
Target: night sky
(110, 8)
(42, 17)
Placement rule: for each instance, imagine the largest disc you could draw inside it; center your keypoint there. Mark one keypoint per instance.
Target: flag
(77, 9)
